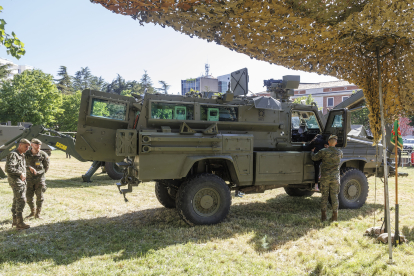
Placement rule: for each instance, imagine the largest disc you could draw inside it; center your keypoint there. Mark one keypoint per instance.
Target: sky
(78, 33)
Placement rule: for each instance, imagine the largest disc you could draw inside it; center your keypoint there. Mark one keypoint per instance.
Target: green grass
(88, 229)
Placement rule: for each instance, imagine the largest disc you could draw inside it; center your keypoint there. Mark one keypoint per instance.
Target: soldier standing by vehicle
(331, 159)
(37, 162)
(16, 175)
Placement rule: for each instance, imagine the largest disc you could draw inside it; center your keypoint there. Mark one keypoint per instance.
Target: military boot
(32, 212)
(14, 223)
(20, 224)
(38, 210)
(334, 216)
(323, 218)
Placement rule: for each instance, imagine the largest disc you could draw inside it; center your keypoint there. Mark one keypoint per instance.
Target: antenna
(207, 67)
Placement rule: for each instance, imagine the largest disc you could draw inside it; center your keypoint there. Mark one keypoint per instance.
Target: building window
(344, 98)
(330, 102)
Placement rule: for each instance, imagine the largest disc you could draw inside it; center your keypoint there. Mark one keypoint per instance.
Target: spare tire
(113, 170)
(298, 192)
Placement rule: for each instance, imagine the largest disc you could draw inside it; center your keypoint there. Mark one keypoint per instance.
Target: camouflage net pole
(384, 150)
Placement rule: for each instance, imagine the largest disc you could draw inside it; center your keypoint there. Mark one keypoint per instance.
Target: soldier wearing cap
(331, 159)
(16, 175)
(37, 163)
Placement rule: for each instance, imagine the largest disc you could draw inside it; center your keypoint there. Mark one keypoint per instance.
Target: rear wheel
(113, 170)
(298, 192)
(203, 199)
(164, 194)
(354, 189)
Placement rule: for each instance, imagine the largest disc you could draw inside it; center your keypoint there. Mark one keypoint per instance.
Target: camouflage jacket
(15, 166)
(39, 162)
(331, 159)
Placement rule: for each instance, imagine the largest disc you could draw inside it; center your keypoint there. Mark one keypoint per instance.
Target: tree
(164, 86)
(68, 120)
(308, 99)
(4, 71)
(14, 46)
(84, 79)
(146, 84)
(30, 97)
(64, 84)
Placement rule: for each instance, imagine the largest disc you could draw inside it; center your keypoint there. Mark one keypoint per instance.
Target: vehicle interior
(304, 126)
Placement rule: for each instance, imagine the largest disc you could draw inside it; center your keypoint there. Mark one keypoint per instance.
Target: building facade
(14, 68)
(223, 83)
(326, 94)
(206, 84)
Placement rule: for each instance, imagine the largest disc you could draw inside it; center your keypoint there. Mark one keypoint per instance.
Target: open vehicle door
(100, 115)
(337, 124)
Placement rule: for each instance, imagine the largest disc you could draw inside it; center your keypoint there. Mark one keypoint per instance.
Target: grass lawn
(88, 229)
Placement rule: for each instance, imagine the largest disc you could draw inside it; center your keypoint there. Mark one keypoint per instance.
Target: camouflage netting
(337, 38)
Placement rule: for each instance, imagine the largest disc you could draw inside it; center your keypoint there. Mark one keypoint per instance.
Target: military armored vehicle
(58, 140)
(198, 149)
(7, 132)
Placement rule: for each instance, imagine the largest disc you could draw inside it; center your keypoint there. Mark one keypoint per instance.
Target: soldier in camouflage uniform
(331, 159)
(37, 163)
(16, 175)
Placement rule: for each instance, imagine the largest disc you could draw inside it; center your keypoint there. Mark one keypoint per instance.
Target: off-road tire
(161, 192)
(113, 170)
(204, 199)
(354, 189)
(298, 192)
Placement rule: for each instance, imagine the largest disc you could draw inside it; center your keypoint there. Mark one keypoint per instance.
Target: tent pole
(397, 211)
(384, 149)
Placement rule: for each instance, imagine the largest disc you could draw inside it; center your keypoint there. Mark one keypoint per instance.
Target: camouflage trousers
(329, 186)
(19, 197)
(35, 187)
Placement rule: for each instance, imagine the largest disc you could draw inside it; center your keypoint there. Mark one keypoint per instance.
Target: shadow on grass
(99, 179)
(135, 234)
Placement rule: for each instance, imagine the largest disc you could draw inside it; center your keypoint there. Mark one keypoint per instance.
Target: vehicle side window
(219, 113)
(172, 111)
(337, 121)
(108, 109)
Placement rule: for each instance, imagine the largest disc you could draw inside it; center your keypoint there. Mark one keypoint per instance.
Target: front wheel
(203, 199)
(354, 189)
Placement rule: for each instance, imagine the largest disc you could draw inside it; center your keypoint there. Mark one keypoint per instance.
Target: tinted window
(108, 109)
(172, 111)
(219, 113)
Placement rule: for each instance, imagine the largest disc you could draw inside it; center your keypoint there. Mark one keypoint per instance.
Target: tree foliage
(146, 84)
(13, 45)
(164, 86)
(30, 97)
(121, 86)
(4, 71)
(338, 38)
(68, 119)
(64, 84)
(308, 100)
(84, 79)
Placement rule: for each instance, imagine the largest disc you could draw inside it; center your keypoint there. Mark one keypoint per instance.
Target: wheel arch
(357, 163)
(191, 160)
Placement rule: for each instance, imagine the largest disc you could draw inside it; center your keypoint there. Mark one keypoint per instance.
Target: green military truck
(198, 149)
(8, 132)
